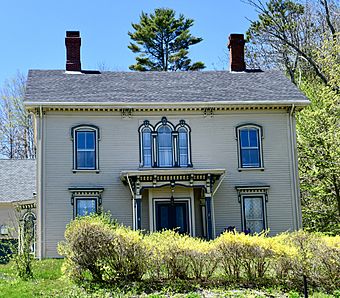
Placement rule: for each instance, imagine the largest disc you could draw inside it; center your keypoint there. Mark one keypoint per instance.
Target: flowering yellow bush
(98, 250)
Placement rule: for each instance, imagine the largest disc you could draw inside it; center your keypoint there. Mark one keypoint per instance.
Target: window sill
(250, 169)
(85, 171)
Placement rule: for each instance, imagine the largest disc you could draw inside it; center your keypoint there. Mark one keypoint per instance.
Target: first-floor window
(253, 214)
(86, 206)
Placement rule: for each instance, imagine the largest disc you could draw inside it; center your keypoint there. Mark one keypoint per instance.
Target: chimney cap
(73, 43)
(235, 37)
(72, 34)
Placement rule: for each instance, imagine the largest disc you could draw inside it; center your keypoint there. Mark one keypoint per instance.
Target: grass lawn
(48, 282)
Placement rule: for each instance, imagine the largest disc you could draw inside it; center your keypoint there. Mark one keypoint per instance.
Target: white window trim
(238, 139)
(85, 128)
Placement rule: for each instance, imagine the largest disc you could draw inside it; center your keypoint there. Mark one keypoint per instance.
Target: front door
(172, 216)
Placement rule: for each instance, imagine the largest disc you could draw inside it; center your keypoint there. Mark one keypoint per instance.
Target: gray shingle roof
(17, 179)
(152, 87)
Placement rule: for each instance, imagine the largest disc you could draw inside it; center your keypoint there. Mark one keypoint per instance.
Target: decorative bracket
(126, 113)
(208, 112)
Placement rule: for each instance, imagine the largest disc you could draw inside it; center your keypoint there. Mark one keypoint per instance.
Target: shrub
(169, 254)
(246, 256)
(101, 251)
(317, 257)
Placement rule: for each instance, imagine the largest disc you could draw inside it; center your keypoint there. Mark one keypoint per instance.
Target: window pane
(81, 159)
(146, 138)
(90, 140)
(164, 146)
(253, 137)
(253, 213)
(81, 139)
(244, 138)
(254, 157)
(89, 159)
(245, 154)
(86, 206)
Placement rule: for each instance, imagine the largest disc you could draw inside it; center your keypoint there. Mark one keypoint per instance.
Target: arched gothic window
(165, 145)
(147, 147)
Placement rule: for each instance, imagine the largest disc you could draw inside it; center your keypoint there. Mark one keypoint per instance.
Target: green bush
(100, 251)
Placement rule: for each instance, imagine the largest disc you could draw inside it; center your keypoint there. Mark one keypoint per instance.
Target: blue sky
(32, 32)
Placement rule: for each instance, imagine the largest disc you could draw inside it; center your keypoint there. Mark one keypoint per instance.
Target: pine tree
(162, 42)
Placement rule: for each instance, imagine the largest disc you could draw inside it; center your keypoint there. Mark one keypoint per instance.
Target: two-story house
(197, 151)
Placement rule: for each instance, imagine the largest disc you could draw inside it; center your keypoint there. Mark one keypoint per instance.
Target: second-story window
(147, 147)
(249, 143)
(165, 145)
(164, 138)
(183, 149)
(85, 139)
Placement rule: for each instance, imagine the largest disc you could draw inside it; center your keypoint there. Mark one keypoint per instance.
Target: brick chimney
(73, 42)
(236, 48)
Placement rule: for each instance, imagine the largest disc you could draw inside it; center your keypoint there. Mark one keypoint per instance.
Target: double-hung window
(250, 146)
(85, 139)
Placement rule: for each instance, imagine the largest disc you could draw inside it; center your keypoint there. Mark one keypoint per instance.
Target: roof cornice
(170, 105)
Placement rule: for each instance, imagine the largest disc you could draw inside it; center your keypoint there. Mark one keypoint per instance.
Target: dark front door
(172, 216)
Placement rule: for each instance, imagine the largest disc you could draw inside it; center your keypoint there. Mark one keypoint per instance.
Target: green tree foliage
(302, 39)
(318, 140)
(319, 146)
(162, 42)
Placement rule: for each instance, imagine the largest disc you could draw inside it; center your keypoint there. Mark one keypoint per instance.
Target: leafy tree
(303, 40)
(16, 125)
(162, 42)
(288, 34)
(318, 141)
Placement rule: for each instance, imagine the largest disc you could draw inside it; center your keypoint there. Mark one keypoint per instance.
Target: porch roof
(189, 177)
(171, 172)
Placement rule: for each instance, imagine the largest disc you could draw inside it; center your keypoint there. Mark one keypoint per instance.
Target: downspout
(40, 184)
(133, 203)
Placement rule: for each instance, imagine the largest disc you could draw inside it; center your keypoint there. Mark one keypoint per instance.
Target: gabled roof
(17, 179)
(255, 87)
